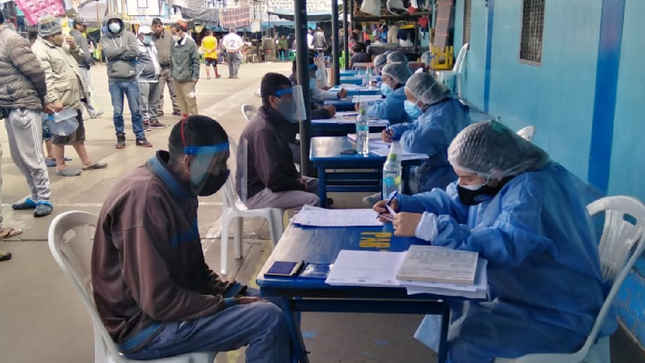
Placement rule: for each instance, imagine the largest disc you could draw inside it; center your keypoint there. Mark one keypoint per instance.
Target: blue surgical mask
(147, 39)
(412, 109)
(386, 89)
(114, 27)
(288, 110)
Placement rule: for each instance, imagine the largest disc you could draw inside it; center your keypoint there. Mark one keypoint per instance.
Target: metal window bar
(532, 31)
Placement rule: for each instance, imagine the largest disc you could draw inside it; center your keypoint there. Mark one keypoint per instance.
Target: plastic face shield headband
(204, 157)
(281, 92)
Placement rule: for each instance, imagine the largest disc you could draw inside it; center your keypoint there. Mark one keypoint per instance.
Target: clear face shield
(292, 103)
(208, 169)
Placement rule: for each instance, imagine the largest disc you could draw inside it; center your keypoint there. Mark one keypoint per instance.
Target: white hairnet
(426, 89)
(494, 151)
(397, 56)
(380, 61)
(400, 72)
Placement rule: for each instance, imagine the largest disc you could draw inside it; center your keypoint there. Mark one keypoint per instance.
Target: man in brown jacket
(152, 287)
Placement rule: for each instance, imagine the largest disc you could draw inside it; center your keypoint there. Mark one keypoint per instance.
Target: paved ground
(41, 318)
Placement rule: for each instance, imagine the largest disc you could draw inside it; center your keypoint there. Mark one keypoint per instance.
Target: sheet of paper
(366, 98)
(374, 137)
(481, 281)
(365, 268)
(380, 150)
(321, 217)
(439, 265)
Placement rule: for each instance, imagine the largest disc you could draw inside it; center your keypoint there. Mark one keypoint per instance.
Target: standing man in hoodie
(184, 68)
(121, 50)
(148, 70)
(163, 42)
(80, 28)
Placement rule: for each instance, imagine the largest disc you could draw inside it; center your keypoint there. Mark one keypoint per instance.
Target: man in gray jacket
(148, 70)
(121, 50)
(164, 42)
(22, 96)
(80, 27)
(184, 68)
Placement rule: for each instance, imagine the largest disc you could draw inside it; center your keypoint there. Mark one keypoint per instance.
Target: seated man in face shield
(272, 179)
(526, 215)
(152, 287)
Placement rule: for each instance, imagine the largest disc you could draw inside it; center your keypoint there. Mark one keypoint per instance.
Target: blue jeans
(260, 325)
(131, 90)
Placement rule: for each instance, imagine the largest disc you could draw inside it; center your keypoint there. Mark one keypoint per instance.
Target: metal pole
(345, 32)
(335, 52)
(302, 61)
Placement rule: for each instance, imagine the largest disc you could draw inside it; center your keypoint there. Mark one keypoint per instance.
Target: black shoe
(330, 202)
(157, 125)
(176, 113)
(120, 141)
(143, 143)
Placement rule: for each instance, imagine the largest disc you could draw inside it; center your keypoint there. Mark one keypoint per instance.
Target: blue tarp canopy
(318, 16)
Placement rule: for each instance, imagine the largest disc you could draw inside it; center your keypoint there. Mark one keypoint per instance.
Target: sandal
(69, 171)
(43, 208)
(96, 165)
(9, 232)
(5, 255)
(27, 204)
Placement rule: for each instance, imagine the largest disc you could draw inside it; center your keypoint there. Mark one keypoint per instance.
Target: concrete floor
(41, 318)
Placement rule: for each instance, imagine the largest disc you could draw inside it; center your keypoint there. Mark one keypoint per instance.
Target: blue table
(347, 72)
(359, 91)
(321, 246)
(357, 80)
(344, 104)
(325, 154)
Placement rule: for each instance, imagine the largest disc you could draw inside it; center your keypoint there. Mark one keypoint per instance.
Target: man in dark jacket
(80, 28)
(148, 71)
(153, 290)
(272, 179)
(121, 50)
(184, 68)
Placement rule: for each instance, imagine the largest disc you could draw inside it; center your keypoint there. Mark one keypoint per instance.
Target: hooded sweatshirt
(121, 50)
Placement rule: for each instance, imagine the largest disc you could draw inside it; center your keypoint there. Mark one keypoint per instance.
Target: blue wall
(558, 96)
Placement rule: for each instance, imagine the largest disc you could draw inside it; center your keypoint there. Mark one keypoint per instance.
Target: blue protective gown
(431, 134)
(544, 273)
(391, 108)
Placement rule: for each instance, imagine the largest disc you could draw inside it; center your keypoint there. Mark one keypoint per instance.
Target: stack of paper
(438, 264)
(321, 217)
(366, 98)
(380, 269)
(379, 149)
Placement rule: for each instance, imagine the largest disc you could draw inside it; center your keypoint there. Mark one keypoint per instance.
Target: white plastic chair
(70, 243)
(233, 208)
(527, 133)
(456, 71)
(621, 244)
(249, 111)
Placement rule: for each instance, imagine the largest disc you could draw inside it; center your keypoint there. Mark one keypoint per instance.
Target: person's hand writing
(386, 135)
(379, 208)
(248, 300)
(405, 224)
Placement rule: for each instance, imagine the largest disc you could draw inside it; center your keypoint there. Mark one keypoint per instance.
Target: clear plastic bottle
(392, 170)
(370, 78)
(362, 131)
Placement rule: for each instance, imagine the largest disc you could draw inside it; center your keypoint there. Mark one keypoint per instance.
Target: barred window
(532, 31)
(468, 5)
